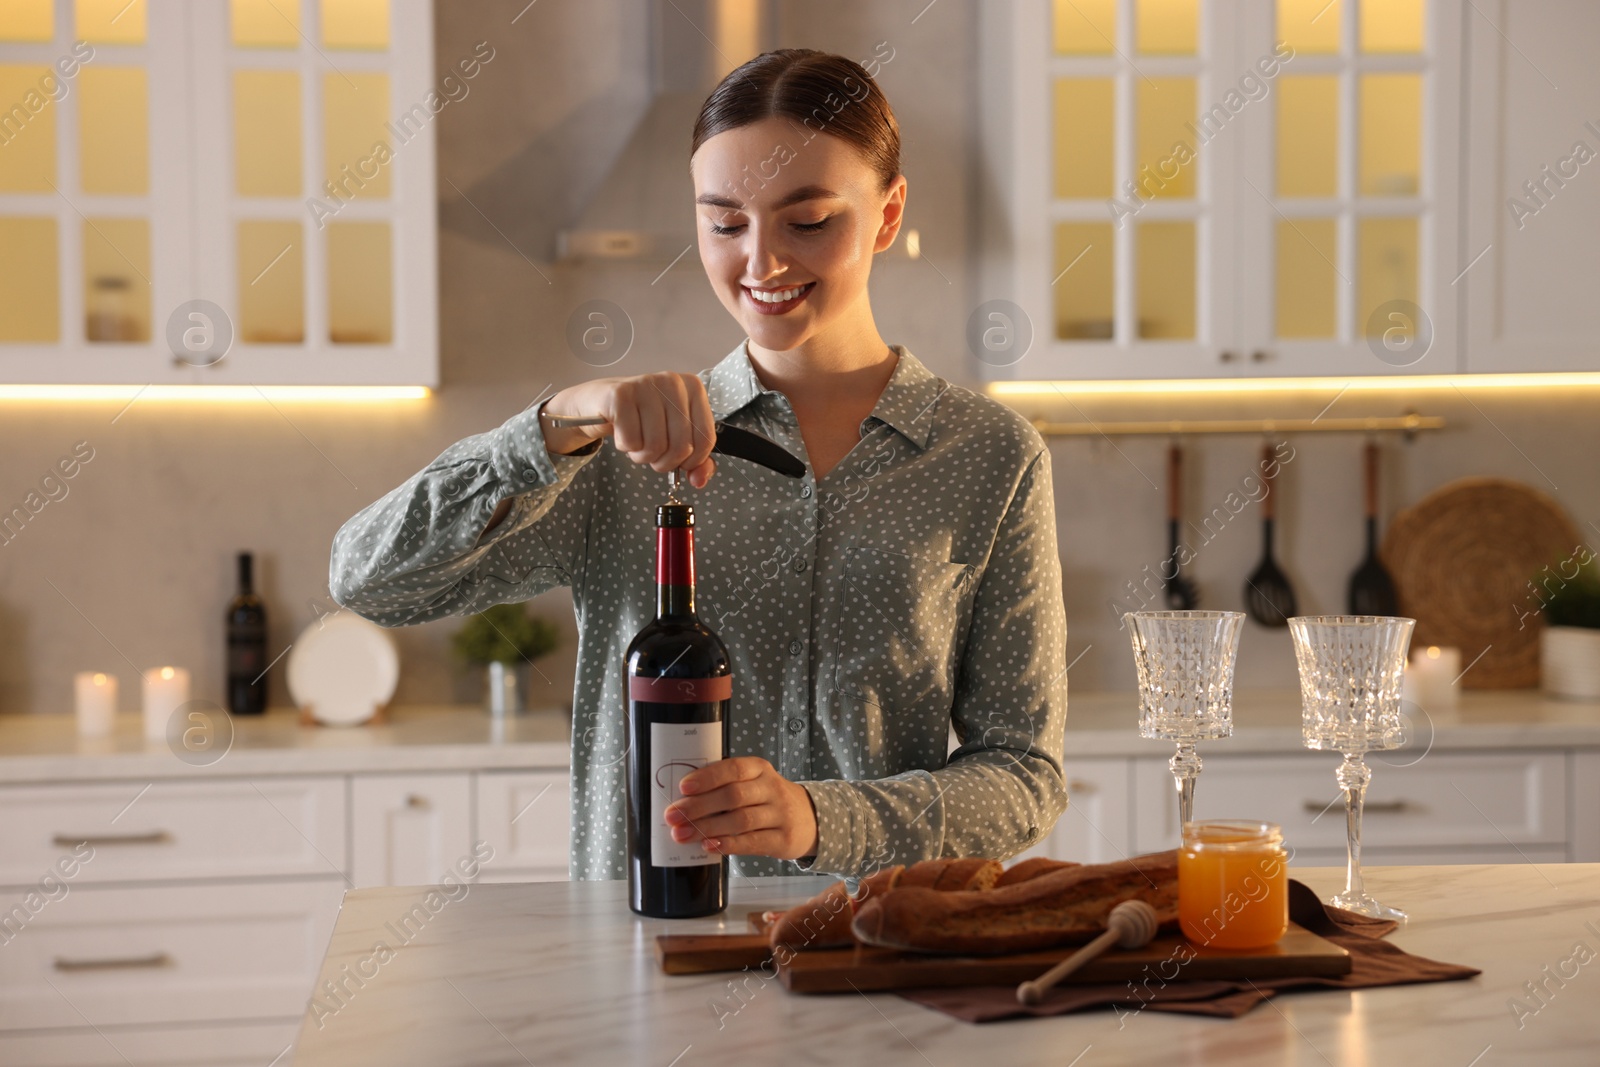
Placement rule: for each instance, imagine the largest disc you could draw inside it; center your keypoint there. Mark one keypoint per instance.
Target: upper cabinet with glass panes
(238, 191)
(1199, 188)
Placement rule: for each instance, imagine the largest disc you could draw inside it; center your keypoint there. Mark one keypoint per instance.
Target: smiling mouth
(778, 301)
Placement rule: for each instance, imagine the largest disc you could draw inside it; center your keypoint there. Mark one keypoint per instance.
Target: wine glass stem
(1185, 767)
(1353, 775)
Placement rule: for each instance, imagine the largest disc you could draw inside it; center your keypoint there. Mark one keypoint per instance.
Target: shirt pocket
(902, 625)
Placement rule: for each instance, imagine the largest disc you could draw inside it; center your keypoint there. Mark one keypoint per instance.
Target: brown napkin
(1374, 963)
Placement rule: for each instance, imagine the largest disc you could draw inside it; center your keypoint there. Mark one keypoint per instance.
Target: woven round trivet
(1463, 558)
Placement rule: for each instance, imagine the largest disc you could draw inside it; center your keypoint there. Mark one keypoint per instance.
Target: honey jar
(1233, 884)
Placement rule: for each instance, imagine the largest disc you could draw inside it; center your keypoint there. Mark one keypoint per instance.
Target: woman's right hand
(662, 421)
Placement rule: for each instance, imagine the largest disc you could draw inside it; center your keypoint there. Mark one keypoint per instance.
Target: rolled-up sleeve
(420, 552)
(1003, 788)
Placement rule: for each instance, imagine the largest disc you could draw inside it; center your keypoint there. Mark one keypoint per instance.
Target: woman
(908, 583)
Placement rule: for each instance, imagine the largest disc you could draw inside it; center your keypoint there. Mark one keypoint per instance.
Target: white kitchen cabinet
(1585, 779)
(115, 956)
(1105, 291)
(1095, 827)
(1440, 808)
(525, 817)
(261, 1044)
(1349, 195)
(253, 172)
(144, 830)
(1532, 185)
(408, 829)
(1142, 212)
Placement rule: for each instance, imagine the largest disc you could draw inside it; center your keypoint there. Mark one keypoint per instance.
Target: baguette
(923, 873)
(1061, 907)
(824, 920)
(1029, 869)
(968, 875)
(821, 922)
(878, 883)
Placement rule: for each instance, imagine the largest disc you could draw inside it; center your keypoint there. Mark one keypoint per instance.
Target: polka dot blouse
(914, 589)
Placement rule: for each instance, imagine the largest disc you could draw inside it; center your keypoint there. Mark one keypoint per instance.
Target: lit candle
(96, 703)
(165, 690)
(1431, 679)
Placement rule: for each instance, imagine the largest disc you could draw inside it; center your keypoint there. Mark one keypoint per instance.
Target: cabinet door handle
(1380, 807)
(154, 837)
(1078, 785)
(114, 963)
(418, 801)
(1228, 356)
(1261, 355)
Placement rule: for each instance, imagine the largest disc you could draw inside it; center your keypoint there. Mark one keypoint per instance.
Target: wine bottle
(247, 646)
(678, 685)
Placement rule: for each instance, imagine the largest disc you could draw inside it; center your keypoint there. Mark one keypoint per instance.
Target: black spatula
(1268, 597)
(1181, 592)
(1371, 587)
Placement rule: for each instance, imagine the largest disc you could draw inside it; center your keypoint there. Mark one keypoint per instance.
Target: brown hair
(823, 92)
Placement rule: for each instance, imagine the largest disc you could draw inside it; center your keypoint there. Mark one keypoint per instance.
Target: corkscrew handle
(731, 441)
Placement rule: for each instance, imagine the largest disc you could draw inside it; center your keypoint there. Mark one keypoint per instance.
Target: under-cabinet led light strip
(1392, 383)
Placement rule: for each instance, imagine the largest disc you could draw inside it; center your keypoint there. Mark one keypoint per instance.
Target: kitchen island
(565, 973)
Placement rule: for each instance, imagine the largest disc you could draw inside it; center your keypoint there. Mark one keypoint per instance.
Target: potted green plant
(505, 639)
(1570, 645)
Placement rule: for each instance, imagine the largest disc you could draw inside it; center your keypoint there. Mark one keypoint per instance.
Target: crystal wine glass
(1350, 672)
(1185, 662)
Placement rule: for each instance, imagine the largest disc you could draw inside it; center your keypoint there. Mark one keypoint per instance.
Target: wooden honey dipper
(1131, 924)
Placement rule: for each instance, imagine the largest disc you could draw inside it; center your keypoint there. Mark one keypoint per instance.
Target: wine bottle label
(676, 748)
(246, 654)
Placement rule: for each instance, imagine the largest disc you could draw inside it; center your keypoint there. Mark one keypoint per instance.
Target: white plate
(343, 669)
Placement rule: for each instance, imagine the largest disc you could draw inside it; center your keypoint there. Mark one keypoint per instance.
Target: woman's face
(788, 227)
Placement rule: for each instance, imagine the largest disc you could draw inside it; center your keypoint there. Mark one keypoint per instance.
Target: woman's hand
(662, 421)
(741, 806)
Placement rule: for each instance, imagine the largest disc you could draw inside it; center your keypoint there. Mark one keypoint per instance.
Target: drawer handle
(154, 837)
(418, 801)
(1381, 807)
(114, 963)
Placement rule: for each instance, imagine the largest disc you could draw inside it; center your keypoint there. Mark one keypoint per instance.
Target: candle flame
(166, 672)
(1433, 651)
(99, 679)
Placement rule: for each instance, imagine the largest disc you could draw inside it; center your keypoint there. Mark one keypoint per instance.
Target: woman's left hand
(741, 806)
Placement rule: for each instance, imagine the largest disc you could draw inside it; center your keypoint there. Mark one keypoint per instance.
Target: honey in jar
(1233, 884)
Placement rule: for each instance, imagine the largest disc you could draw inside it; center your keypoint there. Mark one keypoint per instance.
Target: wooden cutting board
(865, 969)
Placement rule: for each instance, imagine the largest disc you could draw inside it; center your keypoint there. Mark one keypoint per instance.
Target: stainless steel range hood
(643, 209)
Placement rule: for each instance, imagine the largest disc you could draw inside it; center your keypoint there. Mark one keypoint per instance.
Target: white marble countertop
(46, 748)
(563, 973)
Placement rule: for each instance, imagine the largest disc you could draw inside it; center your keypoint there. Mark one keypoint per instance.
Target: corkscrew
(731, 441)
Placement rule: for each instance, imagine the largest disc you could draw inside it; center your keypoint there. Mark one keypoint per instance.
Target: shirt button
(805, 490)
(800, 565)
(796, 725)
(795, 647)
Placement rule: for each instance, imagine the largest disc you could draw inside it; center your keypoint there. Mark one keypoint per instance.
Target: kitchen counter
(46, 748)
(564, 973)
